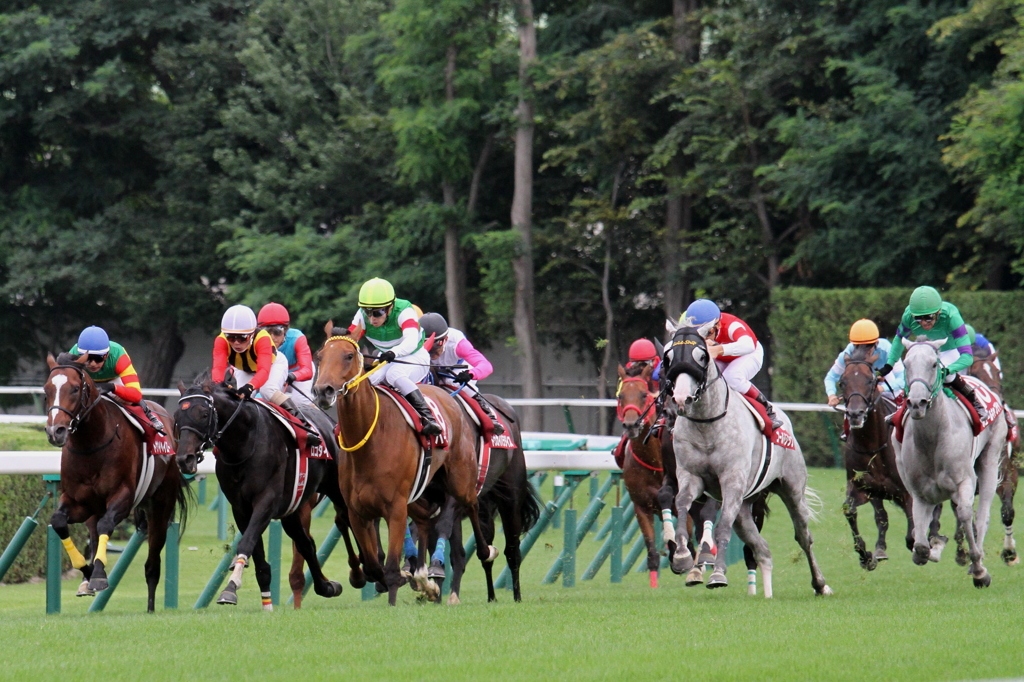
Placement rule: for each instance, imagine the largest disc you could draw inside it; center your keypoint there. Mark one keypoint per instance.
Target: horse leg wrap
(751, 582)
(709, 534)
(268, 605)
(236, 574)
(410, 546)
(439, 550)
(101, 549)
(77, 560)
(668, 531)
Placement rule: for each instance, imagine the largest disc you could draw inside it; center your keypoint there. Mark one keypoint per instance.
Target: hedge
(809, 327)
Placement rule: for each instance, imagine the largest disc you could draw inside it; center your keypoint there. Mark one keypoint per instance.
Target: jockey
(450, 348)
(863, 333)
(255, 362)
(642, 352)
(985, 347)
(930, 316)
(110, 367)
(390, 324)
(737, 352)
(275, 319)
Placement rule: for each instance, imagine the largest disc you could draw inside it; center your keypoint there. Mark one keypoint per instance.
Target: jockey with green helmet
(391, 325)
(929, 316)
(108, 364)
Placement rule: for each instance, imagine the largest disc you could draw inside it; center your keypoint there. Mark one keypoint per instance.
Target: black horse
(256, 469)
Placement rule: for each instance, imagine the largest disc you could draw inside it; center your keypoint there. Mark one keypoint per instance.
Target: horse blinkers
(188, 462)
(688, 354)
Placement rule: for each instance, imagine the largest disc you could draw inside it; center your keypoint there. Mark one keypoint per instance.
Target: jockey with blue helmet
(734, 347)
(108, 364)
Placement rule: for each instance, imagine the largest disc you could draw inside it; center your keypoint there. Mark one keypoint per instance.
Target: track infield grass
(900, 622)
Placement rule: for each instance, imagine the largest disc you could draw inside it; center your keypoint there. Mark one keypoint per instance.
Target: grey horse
(940, 458)
(718, 451)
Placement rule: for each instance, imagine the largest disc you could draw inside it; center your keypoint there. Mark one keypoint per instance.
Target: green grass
(23, 437)
(900, 622)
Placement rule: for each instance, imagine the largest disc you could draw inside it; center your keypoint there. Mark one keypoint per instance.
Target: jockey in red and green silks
(929, 316)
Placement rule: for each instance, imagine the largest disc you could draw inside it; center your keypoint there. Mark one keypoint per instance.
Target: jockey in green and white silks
(391, 325)
(929, 316)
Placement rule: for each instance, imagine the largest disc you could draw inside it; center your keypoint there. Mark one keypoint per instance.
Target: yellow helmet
(376, 293)
(863, 332)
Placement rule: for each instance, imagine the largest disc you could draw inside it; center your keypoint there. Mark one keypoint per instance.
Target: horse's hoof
(436, 570)
(84, 590)
(453, 599)
(695, 577)
(707, 555)
(961, 558)
(681, 562)
(880, 555)
(825, 592)
(356, 579)
(868, 563)
(380, 587)
(98, 584)
(983, 580)
(268, 607)
(717, 579)
(921, 555)
(331, 588)
(1010, 557)
(938, 543)
(228, 598)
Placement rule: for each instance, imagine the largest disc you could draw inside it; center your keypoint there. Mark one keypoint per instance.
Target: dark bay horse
(984, 368)
(100, 467)
(257, 469)
(381, 457)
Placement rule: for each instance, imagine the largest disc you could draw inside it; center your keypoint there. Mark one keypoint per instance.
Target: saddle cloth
(487, 440)
(153, 443)
(992, 402)
(427, 443)
(780, 437)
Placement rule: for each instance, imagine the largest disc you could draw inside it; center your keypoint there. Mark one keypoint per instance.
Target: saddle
(780, 437)
(992, 402)
(298, 431)
(154, 443)
(488, 440)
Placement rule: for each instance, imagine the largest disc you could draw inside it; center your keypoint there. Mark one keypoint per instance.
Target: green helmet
(971, 334)
(376, 293)
(925, 301)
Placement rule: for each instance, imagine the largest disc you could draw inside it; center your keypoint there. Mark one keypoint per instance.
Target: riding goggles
(276, 329)
(376, 312)
(236, 338)
(95, 358)
(931, 317)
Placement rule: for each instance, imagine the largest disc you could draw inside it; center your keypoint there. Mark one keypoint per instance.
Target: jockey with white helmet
(733, 345)
(451, 348)
(255, 362)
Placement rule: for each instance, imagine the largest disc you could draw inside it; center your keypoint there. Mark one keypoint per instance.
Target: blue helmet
(93, 341)
(701, 312)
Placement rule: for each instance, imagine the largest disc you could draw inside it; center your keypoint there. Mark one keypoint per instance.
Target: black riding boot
(430, 427)
(776, 422)
(960, 386)
(154, 421)
(498, 428)
(313, 438)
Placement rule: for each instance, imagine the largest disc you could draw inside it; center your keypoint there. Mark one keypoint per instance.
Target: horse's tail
(529, 510)
(814, 503)
(184, 500)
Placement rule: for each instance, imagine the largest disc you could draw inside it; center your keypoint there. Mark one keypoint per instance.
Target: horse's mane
(860, 352)
(980, 353)
(635, 370)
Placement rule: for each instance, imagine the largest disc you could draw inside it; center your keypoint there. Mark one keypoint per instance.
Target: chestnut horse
(100, 465)
(380, 458)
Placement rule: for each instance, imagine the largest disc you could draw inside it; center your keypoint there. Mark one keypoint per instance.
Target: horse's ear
(622, 372)
(874, 356)
(181, 387)
(659, 347)
(938, 343)
(670, 326)
(847, 357)
(992, 356)
(647, 372)
(328, 328)
(50, 361)
(81, 359)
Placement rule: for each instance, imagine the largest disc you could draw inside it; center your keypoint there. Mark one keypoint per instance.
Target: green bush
(809, 327)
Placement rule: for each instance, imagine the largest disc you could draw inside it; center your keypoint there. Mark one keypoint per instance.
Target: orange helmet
(863, 332)
(273, 313)
(642, 350)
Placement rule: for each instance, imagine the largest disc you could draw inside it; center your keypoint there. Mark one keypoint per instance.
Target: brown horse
(380, 458)
(985, 369)
(100, 467)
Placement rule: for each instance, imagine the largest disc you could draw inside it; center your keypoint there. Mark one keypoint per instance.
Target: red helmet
(273, 313)
(642, 350)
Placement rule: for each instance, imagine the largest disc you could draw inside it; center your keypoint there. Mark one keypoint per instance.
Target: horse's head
(858, 384)
(687, 364)
(68, 393)
(339, 361)
(195, 423)
(984, 367)
(635, 399)
(922, 375)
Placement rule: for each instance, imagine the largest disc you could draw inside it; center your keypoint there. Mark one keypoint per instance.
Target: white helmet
(238, 319)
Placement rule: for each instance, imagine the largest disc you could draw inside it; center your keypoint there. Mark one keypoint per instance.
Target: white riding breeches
(740, 371)
(301, 387)
(947, 358)
(274, 383)
(404, 377)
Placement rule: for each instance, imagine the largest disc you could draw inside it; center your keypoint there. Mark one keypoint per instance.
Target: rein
(76, 419)
(209, 440)
(353, 384)
(699, 394)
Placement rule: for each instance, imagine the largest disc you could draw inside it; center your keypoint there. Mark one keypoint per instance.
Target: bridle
(870, 402)
(78, 414)
(933, 388)
(702, 384)
(351, 385)
(642, 411)
(210, 435)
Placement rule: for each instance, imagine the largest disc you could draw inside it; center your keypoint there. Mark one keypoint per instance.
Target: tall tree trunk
(771, 244)
(522, 217)
(167, 349)
(609, 312)
(455, 272)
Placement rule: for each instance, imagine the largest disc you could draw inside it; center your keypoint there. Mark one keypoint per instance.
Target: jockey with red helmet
(643, 352)
(734, 347)
(274, 318)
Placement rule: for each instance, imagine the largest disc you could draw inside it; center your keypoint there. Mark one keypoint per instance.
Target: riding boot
(154, 421)
(430, 427)
(960, 386)
(312, 437)
(759, 397)
(489, 411)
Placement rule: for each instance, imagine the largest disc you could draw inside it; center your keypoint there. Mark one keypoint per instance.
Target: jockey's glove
(464, 377)
(884, 371)
(291, 378)
(387, 356)
(105, 387)
(245, 392)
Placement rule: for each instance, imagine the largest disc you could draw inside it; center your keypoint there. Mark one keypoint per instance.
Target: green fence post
(556, 493)
(369, 591)
(593, 485)
(568, 419)
(216, 501)
(28, 526)
(590, 515)
(322, 507)
(627, 506)
(222, 516)
(118, 571)
(634, 554)
(274, 558)
(218, 576)
(616, 537)
(322, 554)
(569, 550)
(201, 497)
(53, 572)
(171, 561)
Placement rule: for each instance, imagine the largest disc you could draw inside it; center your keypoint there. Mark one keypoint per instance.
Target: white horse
(718, 448)
(940, 458)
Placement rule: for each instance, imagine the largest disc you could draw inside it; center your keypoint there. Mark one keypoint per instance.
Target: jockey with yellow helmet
(274, 318)
(929, 316)
(254, 361)
(391, 325)
(863, 333)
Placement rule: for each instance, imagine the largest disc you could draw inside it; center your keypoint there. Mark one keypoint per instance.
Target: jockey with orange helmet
(862, 333)
(734, 347)
(254, 361)
(110, 367)
(275, 319)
